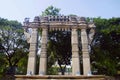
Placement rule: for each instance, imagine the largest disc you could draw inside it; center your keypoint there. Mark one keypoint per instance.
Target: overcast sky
(19, 9)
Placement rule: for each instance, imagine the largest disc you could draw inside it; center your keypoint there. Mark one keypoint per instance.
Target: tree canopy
(13, 47)
(51, 10)
(105, 54)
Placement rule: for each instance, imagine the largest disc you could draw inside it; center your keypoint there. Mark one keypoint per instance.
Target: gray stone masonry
(43, 54)
(75, 53)
(32, 54)
(61, 23)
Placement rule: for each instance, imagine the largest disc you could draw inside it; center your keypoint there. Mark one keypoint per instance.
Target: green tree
(51, 10)
(106, 46)
(13, 47)
(60, 45)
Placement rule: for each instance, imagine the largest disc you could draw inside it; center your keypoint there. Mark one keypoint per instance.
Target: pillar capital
(83, 29)
(35, 29)
(44, 27)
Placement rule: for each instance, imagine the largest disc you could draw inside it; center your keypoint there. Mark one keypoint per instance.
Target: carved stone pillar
(43, 54)
(75, 53)
(32, 54)
(85, 52)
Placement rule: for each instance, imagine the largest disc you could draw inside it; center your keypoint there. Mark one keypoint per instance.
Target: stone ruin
(61, 23)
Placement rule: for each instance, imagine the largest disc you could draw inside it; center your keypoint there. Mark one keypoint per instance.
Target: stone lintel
(58, 25)
(48, 21)
(82, 26)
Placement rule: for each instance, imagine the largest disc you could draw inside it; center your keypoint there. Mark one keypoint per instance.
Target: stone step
(61, 77)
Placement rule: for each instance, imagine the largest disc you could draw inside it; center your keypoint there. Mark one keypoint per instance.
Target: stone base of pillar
(31, 66)
(42, 66)
(86, 66)
(75, 66)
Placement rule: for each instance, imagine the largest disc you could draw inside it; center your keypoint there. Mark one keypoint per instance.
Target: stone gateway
(61, 23)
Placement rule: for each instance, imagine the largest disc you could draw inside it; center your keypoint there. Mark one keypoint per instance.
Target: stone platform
(61, 77)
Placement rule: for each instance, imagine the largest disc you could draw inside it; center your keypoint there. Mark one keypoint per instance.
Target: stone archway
(72, 23)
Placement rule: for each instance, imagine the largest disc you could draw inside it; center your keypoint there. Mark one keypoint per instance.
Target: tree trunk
(62, 69)
(11, 70)
(63, 72)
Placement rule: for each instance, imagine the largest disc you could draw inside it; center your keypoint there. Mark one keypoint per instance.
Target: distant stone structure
(61, 23)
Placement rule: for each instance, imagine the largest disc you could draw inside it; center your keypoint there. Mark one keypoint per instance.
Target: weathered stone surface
(61, 77)
(43, 54)
(85, 53)
(61, 23)
(32, 54)
(75, 53)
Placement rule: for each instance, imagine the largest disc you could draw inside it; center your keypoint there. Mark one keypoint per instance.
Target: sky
(20, 9)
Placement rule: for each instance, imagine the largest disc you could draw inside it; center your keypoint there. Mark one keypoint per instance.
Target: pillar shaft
(75, 53)
(32, 54)
(85, 52)
(43, 54)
